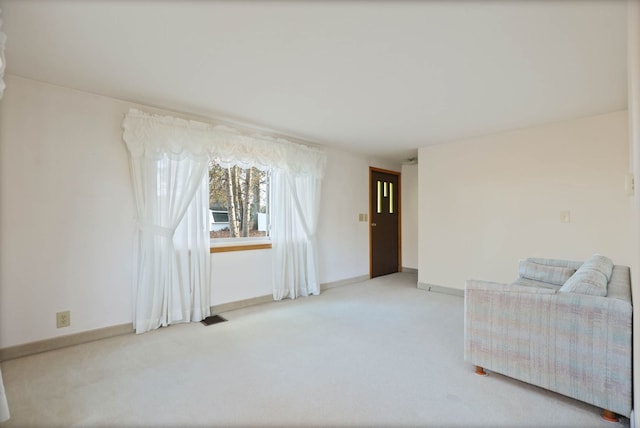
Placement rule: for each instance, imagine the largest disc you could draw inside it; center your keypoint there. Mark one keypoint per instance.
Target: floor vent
(213, 319)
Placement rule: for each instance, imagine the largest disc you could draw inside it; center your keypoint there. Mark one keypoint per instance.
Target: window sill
(225, 248)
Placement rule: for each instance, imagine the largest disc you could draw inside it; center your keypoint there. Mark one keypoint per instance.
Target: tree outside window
(238, 202)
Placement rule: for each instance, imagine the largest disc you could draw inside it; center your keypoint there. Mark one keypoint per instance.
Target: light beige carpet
(375, 353)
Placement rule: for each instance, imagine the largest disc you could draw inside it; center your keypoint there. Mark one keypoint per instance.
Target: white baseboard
(409, 270)
(239, 304)
(64, 341)
(441, 289)
(334, 284)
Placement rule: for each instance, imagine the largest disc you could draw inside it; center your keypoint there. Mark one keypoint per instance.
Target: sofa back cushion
(591, 278)
(555, 275)
(571, 264)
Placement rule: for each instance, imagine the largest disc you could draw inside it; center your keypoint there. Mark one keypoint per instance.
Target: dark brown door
(384, 221)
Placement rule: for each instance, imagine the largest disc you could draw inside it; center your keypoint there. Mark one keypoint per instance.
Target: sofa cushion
(601, 264)
(545, 273)
(586, 280)
(571, 264)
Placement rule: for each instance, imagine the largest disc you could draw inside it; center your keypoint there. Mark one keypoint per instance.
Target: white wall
(410, 216)
(487, 202)
(343, 241)
(67, 217)
(232, 281)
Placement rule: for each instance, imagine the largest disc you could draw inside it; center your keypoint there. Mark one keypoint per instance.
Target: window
(238, 203)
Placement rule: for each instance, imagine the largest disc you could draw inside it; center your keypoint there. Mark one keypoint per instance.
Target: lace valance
(154, 135)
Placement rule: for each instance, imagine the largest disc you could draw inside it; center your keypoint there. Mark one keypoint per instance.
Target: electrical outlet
(629, 185)
(565, 216)
(63, 319)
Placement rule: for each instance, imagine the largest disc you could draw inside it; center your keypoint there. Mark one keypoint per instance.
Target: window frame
(247, 243)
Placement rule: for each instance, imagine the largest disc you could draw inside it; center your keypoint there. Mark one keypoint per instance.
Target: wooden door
(384, 222)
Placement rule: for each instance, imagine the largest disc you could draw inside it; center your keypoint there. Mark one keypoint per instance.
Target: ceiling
(377, 77)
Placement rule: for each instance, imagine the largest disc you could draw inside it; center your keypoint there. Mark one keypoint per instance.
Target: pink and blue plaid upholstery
(575, 344)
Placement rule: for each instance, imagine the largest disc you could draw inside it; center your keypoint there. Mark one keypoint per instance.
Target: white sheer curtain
(172, 256)
(192, 249)
(4, 406)
(295, 207)
(164, 190)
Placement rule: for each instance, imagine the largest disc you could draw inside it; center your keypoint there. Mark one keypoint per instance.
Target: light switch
(565, 216)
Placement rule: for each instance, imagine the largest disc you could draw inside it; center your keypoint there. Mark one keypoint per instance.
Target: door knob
(373, 225)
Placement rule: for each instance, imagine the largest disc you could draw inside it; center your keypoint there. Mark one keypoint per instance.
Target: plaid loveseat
(557, 329)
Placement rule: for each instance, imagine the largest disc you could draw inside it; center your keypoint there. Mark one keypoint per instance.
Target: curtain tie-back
(154, 229)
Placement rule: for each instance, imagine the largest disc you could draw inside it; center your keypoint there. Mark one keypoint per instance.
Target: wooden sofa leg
(480, 371)
(609, 416)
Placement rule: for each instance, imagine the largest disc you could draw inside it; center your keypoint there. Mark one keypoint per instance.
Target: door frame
(373, 169)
